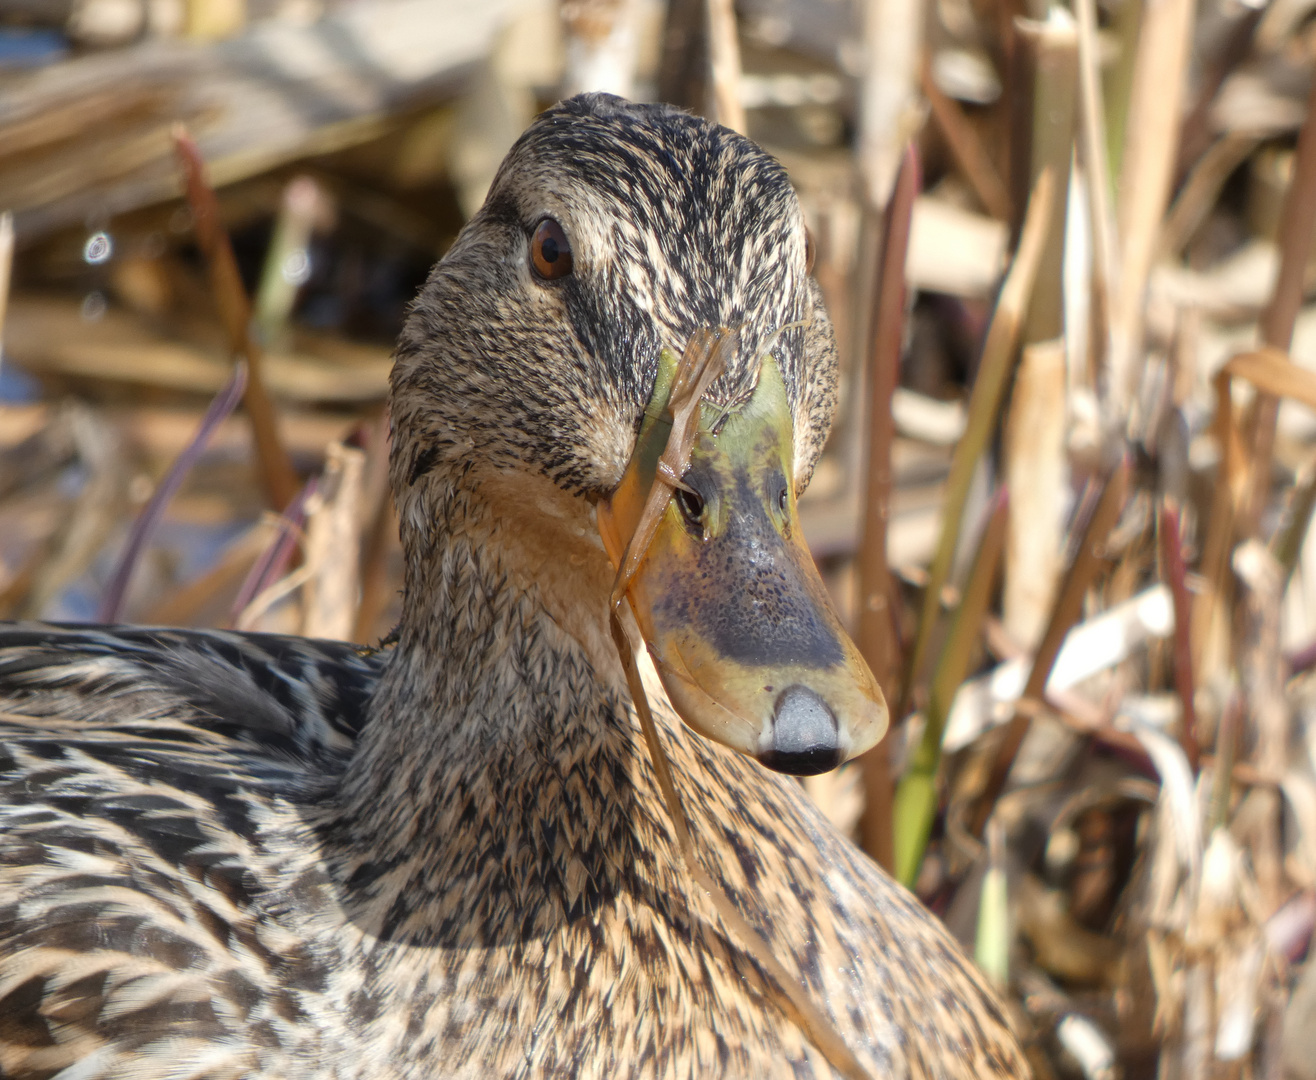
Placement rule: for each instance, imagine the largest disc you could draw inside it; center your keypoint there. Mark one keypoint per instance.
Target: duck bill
(727, 597)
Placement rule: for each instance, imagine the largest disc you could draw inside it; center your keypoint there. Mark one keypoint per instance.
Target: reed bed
(1068, 251)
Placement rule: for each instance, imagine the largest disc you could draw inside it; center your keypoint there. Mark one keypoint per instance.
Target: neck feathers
(504, 700)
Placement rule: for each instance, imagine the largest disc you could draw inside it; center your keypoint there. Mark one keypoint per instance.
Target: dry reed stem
(998, 355)
(889, 110)
(1042, 140)
(970, 155)
(703, 360)
(917, 795)
(1202, 188)
(1273, 374)
(278, 478)
(274, 560)
(1261, 669)
(299, 210)
(91, 519)
(1090, 558)
(1036, 475)
(1207, 630)
(600, 46)
(1096, 165)
(724, 65)
(1148, 169)
(381, 537)
(1172, 568)
(1196, 133)
(878, 627)
(1287, 542)
(6, 265)
(1297, 229)
(333, 544)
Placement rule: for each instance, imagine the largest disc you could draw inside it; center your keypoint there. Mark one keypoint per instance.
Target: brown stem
(1068, 607)
(970, 155)
(1297, 227)
(1173, 568)
(878, 636)
(1196, 135)
(278, 477)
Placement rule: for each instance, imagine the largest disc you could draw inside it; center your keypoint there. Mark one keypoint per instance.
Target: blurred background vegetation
(1068, 251)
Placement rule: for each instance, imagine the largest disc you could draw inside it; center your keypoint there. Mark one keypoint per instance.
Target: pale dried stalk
(6, 265)
(889, 109)
(1202, 189)
(1261, 667)
(1096, 167)
(1046, 53)
(703, 361)
(1035, 476)
(1272, 373)
(1297, 228)
(1151, 148)
(148, 521)
(724, 64)
(970, 154)
(333, 547)
(261, 603)
(1064, 614)
(878, 620)
(601, 46)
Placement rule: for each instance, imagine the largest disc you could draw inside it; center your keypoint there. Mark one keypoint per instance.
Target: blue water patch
(17, 387)
(25, 47)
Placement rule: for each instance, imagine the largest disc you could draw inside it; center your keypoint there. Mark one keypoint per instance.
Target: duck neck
(504, 682)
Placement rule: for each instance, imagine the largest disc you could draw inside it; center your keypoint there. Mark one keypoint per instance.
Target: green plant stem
(916, 794)
(998, 358)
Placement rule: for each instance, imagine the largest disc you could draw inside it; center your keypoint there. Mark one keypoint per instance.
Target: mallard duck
(244, 855)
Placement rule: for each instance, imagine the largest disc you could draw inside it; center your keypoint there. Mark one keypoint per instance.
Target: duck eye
(550, 251)
(783, 500)
(691, 507)
(810, 250)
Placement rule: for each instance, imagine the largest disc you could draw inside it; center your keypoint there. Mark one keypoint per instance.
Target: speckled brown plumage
(231, 855)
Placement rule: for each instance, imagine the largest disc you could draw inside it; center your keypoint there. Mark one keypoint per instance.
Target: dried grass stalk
(1151, 149)
(1090, 558)
(724, 64)
(1036, 474)
(601, 46)
(878, 627)
(970, 155)
(333, 547)
(917, 793)
(1096, 167)
(6, 265)
(277, 474)
(889, 111)
(1046, 54)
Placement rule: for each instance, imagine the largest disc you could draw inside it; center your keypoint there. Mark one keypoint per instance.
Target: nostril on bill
(804, 734)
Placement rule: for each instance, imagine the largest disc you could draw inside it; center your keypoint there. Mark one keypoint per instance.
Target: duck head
(545, 343)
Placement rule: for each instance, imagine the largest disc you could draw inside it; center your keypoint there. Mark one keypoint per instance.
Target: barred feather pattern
(181, 895)
(227, 855)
